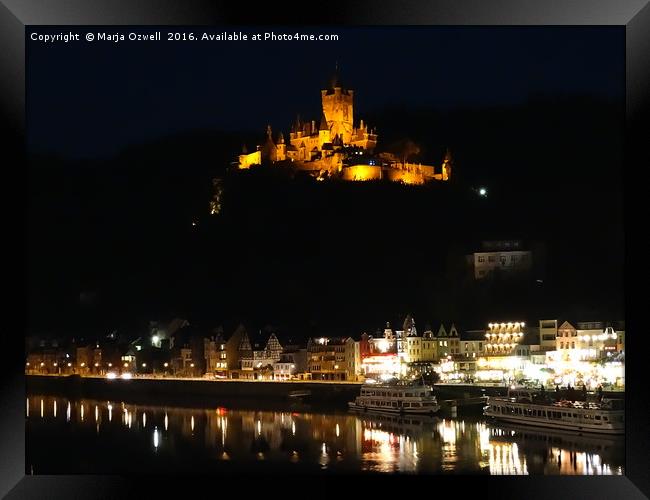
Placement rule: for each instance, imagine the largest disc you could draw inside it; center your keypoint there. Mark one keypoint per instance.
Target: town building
(503, 258)
(290, 365)
(216, 356)
(332, 358)
(548, 333)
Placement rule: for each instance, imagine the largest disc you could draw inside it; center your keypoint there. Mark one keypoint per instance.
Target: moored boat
(524, 406)
(396, 398)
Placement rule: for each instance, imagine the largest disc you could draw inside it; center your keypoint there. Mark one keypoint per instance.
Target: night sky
(92, 99)
(126, 138)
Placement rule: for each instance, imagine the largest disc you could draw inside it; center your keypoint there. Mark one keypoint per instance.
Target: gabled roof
(566, 325)
(323, 123)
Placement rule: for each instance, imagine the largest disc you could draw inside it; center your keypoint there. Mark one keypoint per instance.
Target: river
(69, 436)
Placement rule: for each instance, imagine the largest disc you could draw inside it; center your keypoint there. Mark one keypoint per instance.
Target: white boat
(524, 406)
(396, 398)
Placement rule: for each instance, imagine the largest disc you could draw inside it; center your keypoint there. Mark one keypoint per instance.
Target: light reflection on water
(336, 441)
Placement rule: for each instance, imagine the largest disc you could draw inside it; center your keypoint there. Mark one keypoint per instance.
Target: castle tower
(281, 148)
(269, 151)
(447, 164)
(338, 109)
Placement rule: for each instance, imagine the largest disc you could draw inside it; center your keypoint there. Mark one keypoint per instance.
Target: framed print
(373, 243)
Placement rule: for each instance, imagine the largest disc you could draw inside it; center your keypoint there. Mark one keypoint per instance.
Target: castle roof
(323, 123)
(335, 82)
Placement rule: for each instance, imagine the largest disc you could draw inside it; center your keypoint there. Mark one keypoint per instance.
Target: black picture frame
(634, 15)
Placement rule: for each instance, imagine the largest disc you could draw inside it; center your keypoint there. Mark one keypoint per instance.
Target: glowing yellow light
(83, 364)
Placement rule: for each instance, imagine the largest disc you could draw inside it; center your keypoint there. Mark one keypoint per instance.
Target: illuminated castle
(337, 148)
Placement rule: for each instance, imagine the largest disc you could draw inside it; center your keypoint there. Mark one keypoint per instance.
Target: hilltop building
(336, 146)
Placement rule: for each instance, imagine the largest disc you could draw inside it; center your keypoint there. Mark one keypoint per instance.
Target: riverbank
(198, 392)
(272, 395)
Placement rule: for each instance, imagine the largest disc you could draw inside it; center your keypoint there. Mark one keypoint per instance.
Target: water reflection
(335, 441)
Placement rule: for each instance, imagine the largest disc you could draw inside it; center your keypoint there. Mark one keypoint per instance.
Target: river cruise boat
(524, 406)
(397, 398)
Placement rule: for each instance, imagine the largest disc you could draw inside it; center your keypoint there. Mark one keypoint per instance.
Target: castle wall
(362, 173)
(399, 175)
(255, 158)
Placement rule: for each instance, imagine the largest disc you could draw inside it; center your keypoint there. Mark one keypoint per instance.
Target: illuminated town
(550, 353)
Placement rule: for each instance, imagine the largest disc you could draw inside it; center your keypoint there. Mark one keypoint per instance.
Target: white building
(548, 332)
(503, 256)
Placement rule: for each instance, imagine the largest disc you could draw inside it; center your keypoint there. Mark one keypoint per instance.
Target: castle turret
(338, 109)
(269, 151)
(281, 148)
(447, 164)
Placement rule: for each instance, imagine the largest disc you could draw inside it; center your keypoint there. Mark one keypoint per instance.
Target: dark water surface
(67, 436)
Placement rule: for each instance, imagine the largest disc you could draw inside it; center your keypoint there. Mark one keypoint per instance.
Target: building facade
(332, 358)
(506, 257)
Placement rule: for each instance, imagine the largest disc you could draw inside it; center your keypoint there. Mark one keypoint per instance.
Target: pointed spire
(323, 123)
(297, 125)
(281, 138)
(268, 131)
